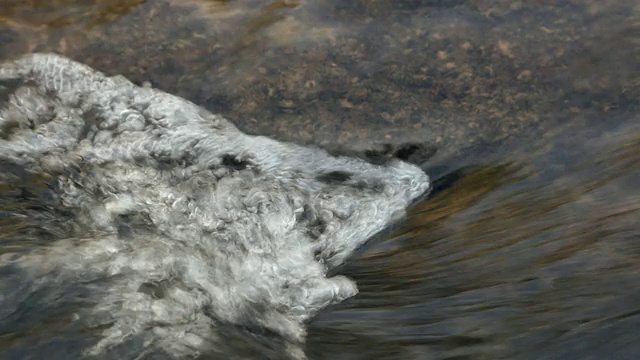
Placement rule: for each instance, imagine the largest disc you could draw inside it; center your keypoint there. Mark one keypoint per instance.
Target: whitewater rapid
(173, 220)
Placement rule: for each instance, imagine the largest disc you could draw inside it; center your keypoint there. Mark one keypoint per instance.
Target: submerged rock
(181, 223)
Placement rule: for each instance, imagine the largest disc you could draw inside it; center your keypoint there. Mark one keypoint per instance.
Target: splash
(177, 222)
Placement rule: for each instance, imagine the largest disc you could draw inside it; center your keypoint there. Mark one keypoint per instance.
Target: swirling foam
(185, 222)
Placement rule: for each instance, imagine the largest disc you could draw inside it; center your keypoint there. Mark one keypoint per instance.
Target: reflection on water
(534, 257)
(528, 248)
(62, 13)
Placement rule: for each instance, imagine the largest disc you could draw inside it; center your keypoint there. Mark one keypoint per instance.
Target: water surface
(528, 110)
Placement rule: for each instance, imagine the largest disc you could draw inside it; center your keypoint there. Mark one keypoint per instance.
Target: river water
(527, 117)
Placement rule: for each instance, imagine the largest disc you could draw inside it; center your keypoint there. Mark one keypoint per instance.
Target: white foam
(226, 227)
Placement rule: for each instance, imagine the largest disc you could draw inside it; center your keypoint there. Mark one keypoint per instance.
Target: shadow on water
(529, 246)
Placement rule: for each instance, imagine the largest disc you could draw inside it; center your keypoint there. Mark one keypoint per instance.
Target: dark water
(530, 245)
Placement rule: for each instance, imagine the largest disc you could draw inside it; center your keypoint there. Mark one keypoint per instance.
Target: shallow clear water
(529, 245)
